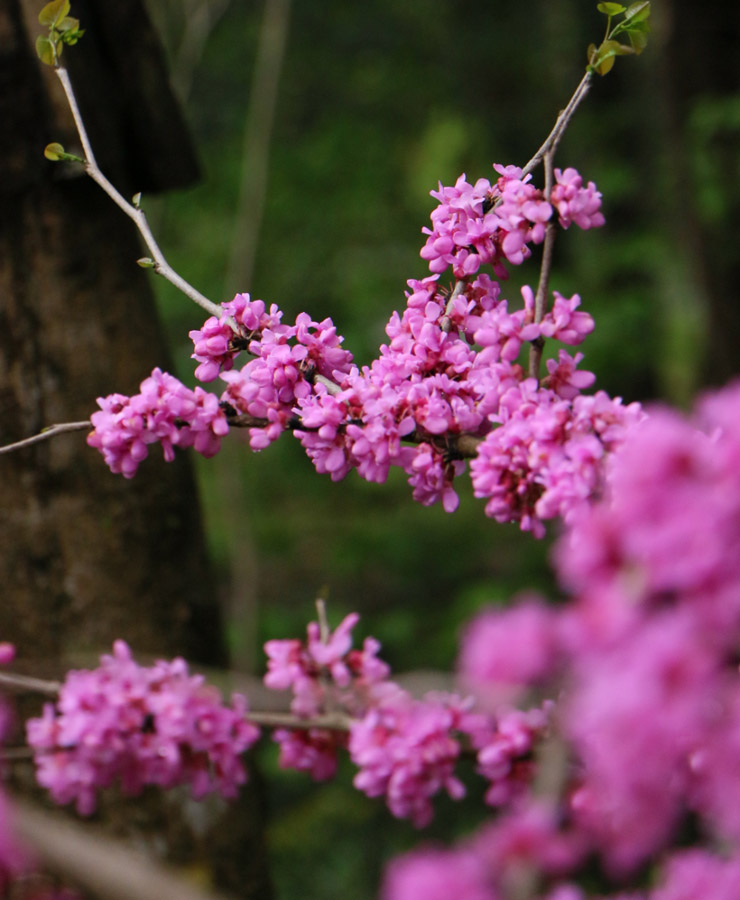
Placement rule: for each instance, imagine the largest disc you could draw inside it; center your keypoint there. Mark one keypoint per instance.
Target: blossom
(404, 750)
(574, 202)
(436, 874)
(138, 726)
(505, 650)
(165, 412)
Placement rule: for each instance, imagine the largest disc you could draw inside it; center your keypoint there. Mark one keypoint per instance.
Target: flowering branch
(448, 383)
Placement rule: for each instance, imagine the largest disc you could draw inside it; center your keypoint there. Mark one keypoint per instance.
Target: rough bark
(88, 556)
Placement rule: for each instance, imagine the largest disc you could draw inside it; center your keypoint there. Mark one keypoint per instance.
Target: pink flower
(138, 726)
(404, 750)
(504, 651)
(435, 874)
(575, 203)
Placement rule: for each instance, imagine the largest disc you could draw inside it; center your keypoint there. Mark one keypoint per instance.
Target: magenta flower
(138, 726)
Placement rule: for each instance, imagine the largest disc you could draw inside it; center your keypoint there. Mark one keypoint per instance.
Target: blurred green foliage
(377, 103)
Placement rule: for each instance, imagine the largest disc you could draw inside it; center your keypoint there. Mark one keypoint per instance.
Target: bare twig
(50, 432)
(446, 323)
(161, 266)
(540, 297)
(551, 142)
(331, 721)
(104, 867)
(16, 754)
(25, 683)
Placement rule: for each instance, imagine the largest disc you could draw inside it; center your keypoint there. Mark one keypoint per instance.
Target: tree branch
(137, 215)
(103, 867)
(50, 432)
(540, 297)
(551, 142)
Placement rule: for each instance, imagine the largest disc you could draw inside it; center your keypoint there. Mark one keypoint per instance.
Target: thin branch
(16, 754)
(334, 721)
(25, 683)
(137, 215)
(50, 432)
(446, 323)
(563, 120)
(330, 721)
(324, 629)
(102, 866)
(540, 297)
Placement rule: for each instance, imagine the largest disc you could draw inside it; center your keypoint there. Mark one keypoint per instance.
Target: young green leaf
(638, 38)
(601, 59)
(53, 13)
(45, 50)
(68, 24)
(54, 152)
(146, 262)
(611, 9)
(637, 12)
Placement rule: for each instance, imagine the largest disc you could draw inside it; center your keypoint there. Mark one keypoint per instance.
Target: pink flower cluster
(576, 203)
(405, 749)
(547, 457)
(447, 381)
(164, 412)
(139, 726)
(644, 661)
(480, 224)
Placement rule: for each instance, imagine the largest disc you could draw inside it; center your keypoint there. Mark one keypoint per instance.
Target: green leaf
(638, 12)
(53, 13)
(68, 24)
(136, 200)
(71, 37)
(611, 9)
(146, 262)
(601, 59)
(45, 51)
(604, 65)
(638, 38)
(54, 152)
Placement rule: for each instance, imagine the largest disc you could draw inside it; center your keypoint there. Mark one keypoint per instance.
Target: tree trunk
(88, 556)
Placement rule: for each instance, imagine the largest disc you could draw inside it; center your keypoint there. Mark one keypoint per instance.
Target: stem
(24, 683)
(161, 266)
(50, 432)
(330, 722)
(98, 865)
(446, 323)
(331, 386)
(335, 721)
(553, 139)
(540, 297)
(323, 621)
